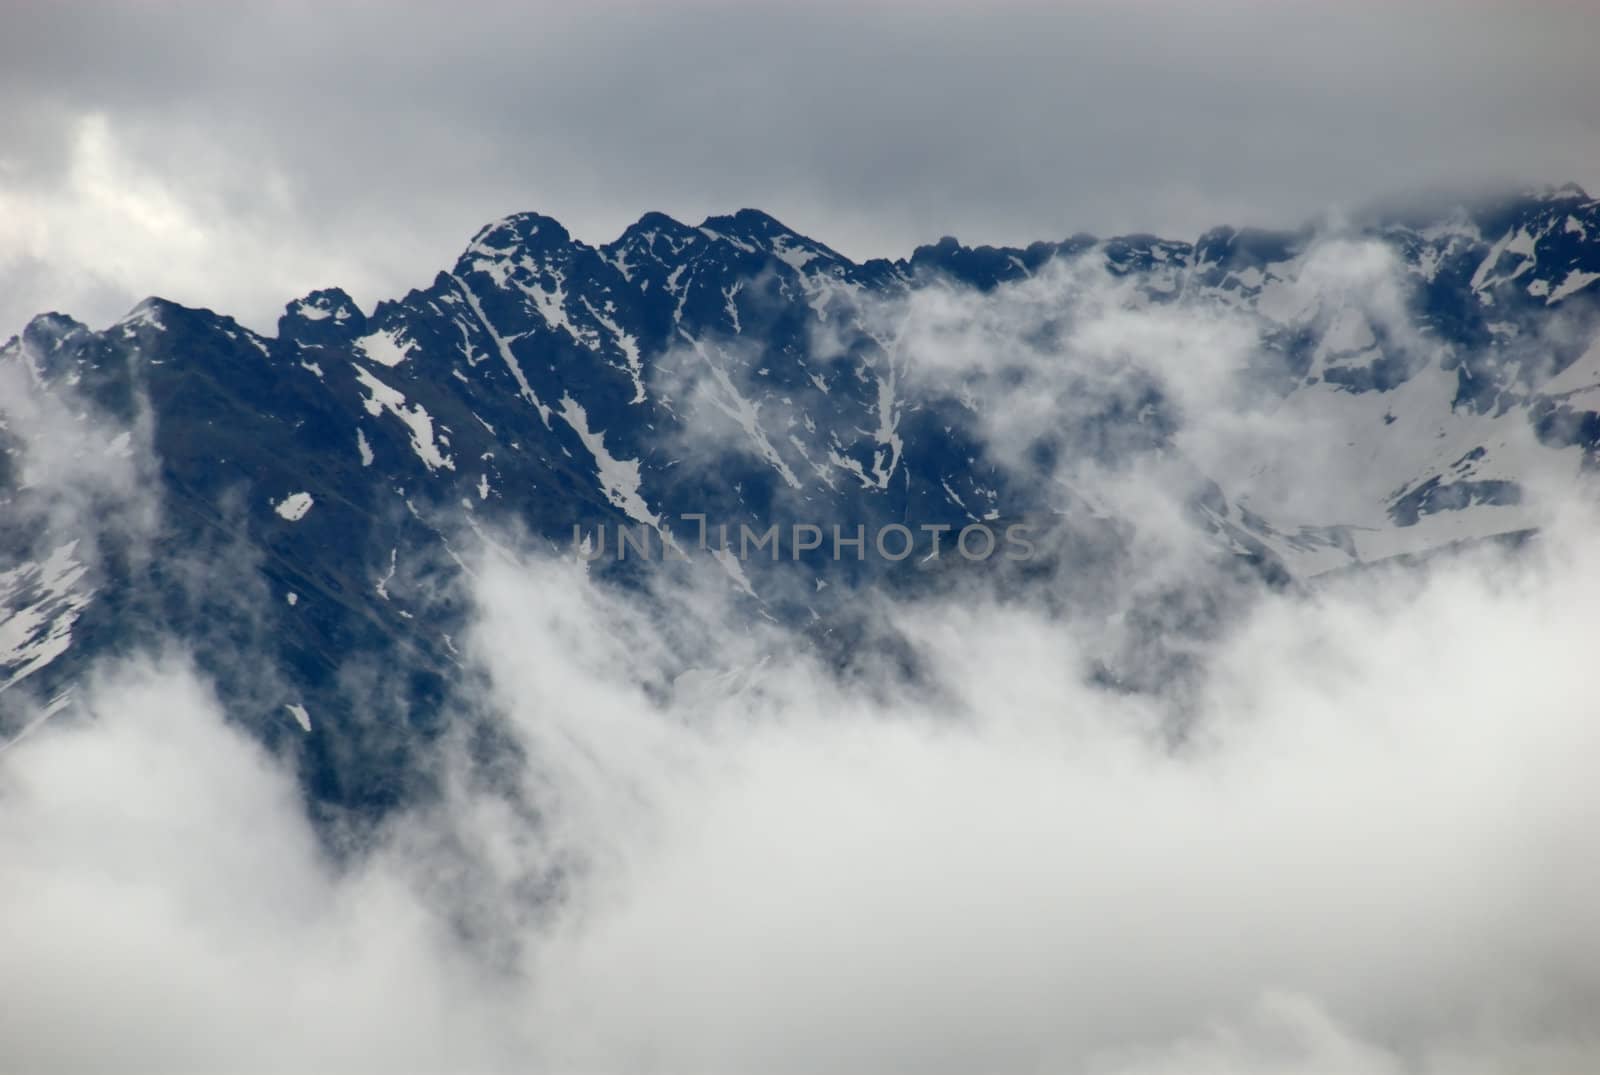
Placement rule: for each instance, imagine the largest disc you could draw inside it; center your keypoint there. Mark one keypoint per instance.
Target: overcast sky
(236, 159)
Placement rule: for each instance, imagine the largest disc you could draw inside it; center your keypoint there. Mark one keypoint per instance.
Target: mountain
(298, 510)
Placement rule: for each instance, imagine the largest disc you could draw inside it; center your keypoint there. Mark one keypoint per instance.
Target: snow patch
(388, 576)
(385, 347)
(619, 478)
(504, 348)
(628, 344)
(417, 420)
(797, 258)
(294, 506)
(39, 604)
(301, 717)
(1576, 281)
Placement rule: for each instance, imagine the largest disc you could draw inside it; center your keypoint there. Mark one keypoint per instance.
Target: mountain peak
(647, 227)
(526, 230)
(325, 316)
(747, 222)
(49, 331)
(767, 233)
(1565, 192)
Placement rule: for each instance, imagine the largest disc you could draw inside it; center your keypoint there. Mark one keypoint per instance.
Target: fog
(1372, 849)
(1376, 855)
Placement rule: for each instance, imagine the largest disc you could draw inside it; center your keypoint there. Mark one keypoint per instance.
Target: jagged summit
(325, 317)
(659, 236)
(519, 230)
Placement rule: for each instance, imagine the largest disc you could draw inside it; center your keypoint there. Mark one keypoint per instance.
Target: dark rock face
(314, 495)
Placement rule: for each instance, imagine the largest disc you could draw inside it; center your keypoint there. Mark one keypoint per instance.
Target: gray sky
(238, 159)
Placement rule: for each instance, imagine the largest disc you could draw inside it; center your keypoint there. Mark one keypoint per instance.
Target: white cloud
(1373, 854)
(165, 890)
(181, 219)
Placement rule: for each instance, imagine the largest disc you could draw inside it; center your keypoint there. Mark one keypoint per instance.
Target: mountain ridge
(1415, 209)
(308, 498)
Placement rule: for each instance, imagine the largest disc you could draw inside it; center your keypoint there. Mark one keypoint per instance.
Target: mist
(1374, 855)
(1361, 840)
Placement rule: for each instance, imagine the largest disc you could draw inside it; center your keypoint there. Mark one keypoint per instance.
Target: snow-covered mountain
(1304, 401)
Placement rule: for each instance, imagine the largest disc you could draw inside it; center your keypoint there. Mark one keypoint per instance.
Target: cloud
(165, 877)
(1373, 856)
(395, 133)
(79, 486)
(78, 468)
(116, 225)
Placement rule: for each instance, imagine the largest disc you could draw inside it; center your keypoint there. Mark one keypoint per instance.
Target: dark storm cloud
(288, 146)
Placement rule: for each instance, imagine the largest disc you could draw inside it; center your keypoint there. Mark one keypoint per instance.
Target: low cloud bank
(1373, 851)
